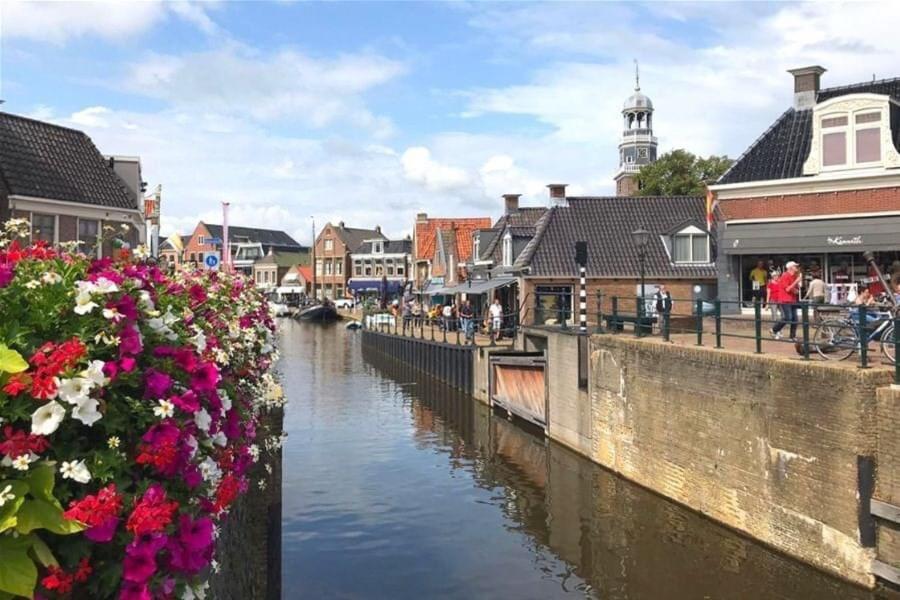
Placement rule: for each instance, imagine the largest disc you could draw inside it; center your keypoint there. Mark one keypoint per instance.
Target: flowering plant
(130, 405)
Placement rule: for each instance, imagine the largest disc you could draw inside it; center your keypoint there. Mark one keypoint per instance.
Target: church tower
(638, 146)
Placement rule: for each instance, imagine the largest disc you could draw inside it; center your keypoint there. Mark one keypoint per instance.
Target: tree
(680, 173)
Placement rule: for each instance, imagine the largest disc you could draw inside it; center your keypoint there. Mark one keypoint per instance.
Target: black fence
(453, 329)
(823, 331)
(450, 363)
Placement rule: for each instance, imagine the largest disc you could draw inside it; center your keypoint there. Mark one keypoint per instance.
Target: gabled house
(246, 244)
(297, 280)
(380, 266)
(268, 271)
(820, 186)
(441, 249)
(171, 250)
(679, 253)
(56, 178)
(334, 245)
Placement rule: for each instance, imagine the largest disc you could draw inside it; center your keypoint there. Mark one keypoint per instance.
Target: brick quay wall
(779, 449)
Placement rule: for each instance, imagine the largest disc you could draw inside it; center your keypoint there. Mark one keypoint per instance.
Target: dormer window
(690, 245)
(851, 132)
(476, 250)
(377, 247)
(507, 250)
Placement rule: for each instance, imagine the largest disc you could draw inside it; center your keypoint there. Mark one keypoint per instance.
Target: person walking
(759, 277)
(447, 316)
(496, 313)
(787, 287)
(416, 310)
(466, 313)
(817, 290)
(407, 315)
(663, 302)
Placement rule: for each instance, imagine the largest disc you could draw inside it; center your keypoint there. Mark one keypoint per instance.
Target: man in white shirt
(496, 312)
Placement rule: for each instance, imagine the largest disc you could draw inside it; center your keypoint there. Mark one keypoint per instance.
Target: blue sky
(372, 112)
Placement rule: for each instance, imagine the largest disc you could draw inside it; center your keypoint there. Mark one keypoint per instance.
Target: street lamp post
(640, 237)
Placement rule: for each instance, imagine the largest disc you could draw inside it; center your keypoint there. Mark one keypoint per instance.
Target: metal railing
(453, 329)
(826, 331)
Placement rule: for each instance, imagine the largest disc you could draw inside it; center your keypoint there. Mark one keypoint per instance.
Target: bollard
(599, 312)
(615, 315)
(638, 317)
(718, 306)
(804, 320)
(757, 326)
(699, 322)
(863, 338)
(458, 324)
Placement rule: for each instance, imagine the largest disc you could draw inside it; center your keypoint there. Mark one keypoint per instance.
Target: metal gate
(518, 383)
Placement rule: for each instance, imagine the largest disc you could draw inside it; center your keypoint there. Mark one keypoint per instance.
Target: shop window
(690, 245)
(553, 305)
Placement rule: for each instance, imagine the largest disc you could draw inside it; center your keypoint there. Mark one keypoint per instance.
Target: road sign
(211, 260)
(213, 241)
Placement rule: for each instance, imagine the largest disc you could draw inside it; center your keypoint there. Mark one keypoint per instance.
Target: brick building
(57, 179)
(333, 247)
(441, 249)
(270, 270)
(679, 254)
(820, 187)
(247, 244)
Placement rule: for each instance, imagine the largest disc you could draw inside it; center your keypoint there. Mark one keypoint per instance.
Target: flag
(711, 202)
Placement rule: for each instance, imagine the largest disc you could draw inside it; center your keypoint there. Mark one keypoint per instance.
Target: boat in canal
(325, 311)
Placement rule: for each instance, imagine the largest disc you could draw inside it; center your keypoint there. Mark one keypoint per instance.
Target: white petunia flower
(141, 252)
(210, 471)
(46, 419)
(86, 411)
(226, 400)
(220, 439)
(6, 495)
(33, 284)
(21, 462)
(94, 373)
(84, 304)
(74, 390)
(203, 420)
(105, 286)
(165, 409)
(51, 278)
(113, 315)
(199, 342)
(76, 471)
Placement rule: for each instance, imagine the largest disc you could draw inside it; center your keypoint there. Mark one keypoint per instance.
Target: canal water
(396, 487)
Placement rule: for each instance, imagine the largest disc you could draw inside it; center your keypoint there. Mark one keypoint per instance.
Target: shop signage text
(840, 240)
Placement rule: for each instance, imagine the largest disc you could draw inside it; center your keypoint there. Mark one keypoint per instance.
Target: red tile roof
(305, 272)
(425, 235)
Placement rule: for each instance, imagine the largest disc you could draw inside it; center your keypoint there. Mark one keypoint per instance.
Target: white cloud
(58, 22)
(93, 116)
(419, 167)
(239, 81)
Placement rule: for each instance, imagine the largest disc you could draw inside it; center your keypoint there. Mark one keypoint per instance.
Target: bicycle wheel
(888, 348)
(836, 340)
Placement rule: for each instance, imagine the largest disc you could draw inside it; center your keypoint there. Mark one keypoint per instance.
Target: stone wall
(887, 480)
(249, 545)
(766, 445)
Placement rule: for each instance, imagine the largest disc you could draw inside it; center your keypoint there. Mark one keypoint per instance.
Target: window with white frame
(89, 236)
(329, 245)
(377, 247)
(43, 228)
(318, 266)
(851, 139)
(476, 246)
(690, 245)
(339, 267)
(507, 250)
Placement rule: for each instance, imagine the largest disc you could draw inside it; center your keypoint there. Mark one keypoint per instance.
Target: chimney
(557, 194)
(806, 86)
(421, 217)
(340, 224)
(378, 229)
(511, 203)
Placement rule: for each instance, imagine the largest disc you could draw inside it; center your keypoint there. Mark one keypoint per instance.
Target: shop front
(375, 288)
(832, 248)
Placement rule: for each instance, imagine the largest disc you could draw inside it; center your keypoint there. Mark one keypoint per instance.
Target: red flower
(228, 490)
(95, 510)
(152, 513)
(43, 387)
(18, 443)
(58, 580)
(84, 570)
(17, 384)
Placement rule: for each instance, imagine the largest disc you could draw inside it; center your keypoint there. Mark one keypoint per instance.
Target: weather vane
(637, 77)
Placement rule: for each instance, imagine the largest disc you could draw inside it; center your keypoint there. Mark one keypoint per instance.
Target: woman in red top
(787, 289)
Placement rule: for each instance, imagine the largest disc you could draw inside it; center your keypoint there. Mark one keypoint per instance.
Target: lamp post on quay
(640, 237)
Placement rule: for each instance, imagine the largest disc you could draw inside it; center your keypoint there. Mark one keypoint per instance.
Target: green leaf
(40, 514)
(18, 574)
(11, 361)
(8, 511)
(42, 552)
(41, 480)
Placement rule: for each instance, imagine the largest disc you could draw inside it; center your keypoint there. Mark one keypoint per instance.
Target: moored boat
(318, 312)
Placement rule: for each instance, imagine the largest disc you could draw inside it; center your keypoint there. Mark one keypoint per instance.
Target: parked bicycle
(838, 338)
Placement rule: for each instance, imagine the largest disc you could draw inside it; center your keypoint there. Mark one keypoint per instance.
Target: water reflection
(398, 487)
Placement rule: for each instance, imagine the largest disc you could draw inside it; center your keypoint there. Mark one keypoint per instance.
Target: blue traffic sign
(211, 260)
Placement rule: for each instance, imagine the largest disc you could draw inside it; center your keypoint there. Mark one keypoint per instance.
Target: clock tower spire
(638, 144)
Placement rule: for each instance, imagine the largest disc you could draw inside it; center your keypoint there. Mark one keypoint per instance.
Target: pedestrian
(407, 316)
(466, 313)
(496, 312)
(447, 316)
(759, 277)
(663, 301)
(787, 288)
(416, 311)
(817, 290)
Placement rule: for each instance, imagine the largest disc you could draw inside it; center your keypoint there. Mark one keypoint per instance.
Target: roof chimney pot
(511, 203)
(806, 86)
(557, 194)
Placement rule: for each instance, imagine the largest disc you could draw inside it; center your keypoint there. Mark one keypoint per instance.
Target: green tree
(680, 173)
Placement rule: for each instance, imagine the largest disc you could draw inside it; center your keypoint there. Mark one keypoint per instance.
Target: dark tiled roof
(525, 216)
(487, 239)
(390, 247)
(606, 223)
(284, 259)
(353, 237)
(779, 153)
(57, 163)
(266, 237)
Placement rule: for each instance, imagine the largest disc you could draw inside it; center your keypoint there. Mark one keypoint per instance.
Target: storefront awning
(373, 285)
(481, 286)
(804, 237)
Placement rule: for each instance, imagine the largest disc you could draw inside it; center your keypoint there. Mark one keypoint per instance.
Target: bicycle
(838, 339)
